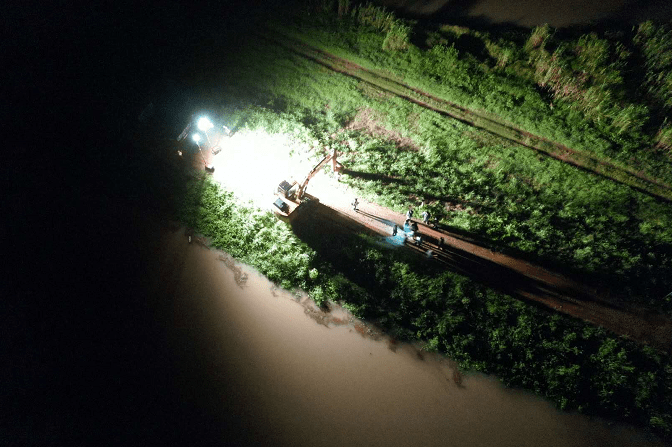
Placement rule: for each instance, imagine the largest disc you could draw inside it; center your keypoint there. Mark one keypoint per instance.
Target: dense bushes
(655, 43)
(583, 91)
(540, 207)
(578, 366)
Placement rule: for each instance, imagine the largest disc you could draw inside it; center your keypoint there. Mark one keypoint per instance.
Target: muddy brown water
(299, 376)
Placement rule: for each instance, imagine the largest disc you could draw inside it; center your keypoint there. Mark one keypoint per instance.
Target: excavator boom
(293, 192)
(315, 170)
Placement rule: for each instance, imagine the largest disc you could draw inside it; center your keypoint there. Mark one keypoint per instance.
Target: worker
(440, 244)
(394, 230)
(414, 227)
(354, 204)
(418, 240)
(409, 214)
(425, 217)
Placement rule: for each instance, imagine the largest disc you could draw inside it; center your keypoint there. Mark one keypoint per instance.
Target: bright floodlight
(196, 137)
(204, 124)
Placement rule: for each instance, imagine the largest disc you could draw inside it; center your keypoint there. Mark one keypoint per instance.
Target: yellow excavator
(292, 195)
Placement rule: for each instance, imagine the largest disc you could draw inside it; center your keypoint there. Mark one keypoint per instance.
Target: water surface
(288, 374)
(530, 13)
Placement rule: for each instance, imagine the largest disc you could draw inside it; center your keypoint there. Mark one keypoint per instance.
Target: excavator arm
(315, 170)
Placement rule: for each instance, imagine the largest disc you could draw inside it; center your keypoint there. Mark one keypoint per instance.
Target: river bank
(289, 374)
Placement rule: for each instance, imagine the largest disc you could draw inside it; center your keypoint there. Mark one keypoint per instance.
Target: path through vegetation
(595, 304)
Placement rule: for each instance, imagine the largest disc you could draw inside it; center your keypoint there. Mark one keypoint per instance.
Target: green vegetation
(537, 207)
(487, 187)
(583, 91)
(490, 188)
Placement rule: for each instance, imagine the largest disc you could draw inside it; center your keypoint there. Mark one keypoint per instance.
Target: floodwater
(530, 13)
(295, 375)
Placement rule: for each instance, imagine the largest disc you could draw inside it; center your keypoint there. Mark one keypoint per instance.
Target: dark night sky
(84, 361)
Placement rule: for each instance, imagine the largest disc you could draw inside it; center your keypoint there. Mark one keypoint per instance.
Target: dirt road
(517, 277)
(514, 276)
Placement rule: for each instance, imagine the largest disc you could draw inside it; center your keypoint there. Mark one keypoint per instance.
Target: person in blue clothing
(414, 227)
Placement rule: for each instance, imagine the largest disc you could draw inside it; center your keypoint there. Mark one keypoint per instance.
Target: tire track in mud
(607, 169)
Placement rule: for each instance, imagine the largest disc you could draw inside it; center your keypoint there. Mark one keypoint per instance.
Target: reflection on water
(301, 375)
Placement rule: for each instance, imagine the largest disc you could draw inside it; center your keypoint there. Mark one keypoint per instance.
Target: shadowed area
(530, 13)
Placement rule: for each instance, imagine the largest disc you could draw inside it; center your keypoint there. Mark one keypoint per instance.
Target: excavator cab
(287, 190)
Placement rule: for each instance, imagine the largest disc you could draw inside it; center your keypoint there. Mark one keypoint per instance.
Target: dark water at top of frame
(530, 13)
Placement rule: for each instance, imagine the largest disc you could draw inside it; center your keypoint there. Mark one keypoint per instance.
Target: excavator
(292, 195)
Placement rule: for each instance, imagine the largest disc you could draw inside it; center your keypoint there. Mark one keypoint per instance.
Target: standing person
(440, 244)
(354, 204)
(414, 227)
(409, 214)
(410, 233)
(394, 230)
(425, 217)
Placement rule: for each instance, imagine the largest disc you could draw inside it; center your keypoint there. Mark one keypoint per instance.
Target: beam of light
(204, 124)
(196, 137)
(253, 163)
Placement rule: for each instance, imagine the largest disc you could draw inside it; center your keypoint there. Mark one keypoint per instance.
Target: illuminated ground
(251, 164)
